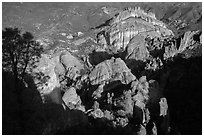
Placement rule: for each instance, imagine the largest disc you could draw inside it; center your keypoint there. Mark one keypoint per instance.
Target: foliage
(18, 51)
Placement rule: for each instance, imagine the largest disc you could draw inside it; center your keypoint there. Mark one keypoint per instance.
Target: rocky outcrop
(70, 97)
(111, 89)
(52, 71)
(72, 65)
(170, 51)
(111, 70)
(136, 50)
(188, 40)
(129, 23)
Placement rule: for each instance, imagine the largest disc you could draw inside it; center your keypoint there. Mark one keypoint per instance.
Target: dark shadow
(136, 66)
(98, 57)
(184, 94)
(31, 116)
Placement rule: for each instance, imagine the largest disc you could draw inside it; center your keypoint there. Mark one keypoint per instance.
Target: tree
(18, 51)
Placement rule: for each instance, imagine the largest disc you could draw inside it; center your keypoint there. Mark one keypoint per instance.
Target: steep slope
(111, 68)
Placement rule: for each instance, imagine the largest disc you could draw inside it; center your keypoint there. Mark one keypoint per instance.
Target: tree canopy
(19, 49)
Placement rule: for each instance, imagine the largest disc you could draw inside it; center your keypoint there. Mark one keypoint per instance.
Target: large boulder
(71, 64)
(59, 69)
(137, 49)
(111, 70)
(71, 97)
(68, 60)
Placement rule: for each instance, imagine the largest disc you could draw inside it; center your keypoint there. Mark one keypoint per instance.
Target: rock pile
(110, 90)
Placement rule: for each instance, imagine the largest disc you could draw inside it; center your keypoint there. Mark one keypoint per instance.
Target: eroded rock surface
(111, 70)
(129, 23)
(112, 77)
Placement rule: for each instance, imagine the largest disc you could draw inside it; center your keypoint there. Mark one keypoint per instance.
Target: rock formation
(111, 70)
(57, 68)
(116, 94)
(112, 78)
(129, 23)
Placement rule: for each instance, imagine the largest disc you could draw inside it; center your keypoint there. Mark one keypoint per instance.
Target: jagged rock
(187, 40)
(97, 93)
(129, 23)
(147, 116)
(170, 51)
(80, 107)
(111, 70)
(143, 99)
(98, 113)
(72, 65)
(141, 88)
(139, 97)
(154, 64)
(119, 121)
(73, 73)
(140, 104)
(163, 107)
(154, 129)
(56, 67)
(108, 115)
(70, 96)
(134, 85)
(137, 49)
(127, 33)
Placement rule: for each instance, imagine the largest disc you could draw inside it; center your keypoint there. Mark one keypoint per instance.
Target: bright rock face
(70, 96)
(137, 49)
(129, 23)
(70, 61)
(50, 68)
(46, 66)
(188, 40)
(111, 70)
(71, 64)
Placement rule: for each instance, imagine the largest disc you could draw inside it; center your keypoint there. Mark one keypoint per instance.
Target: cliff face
(129, 23)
